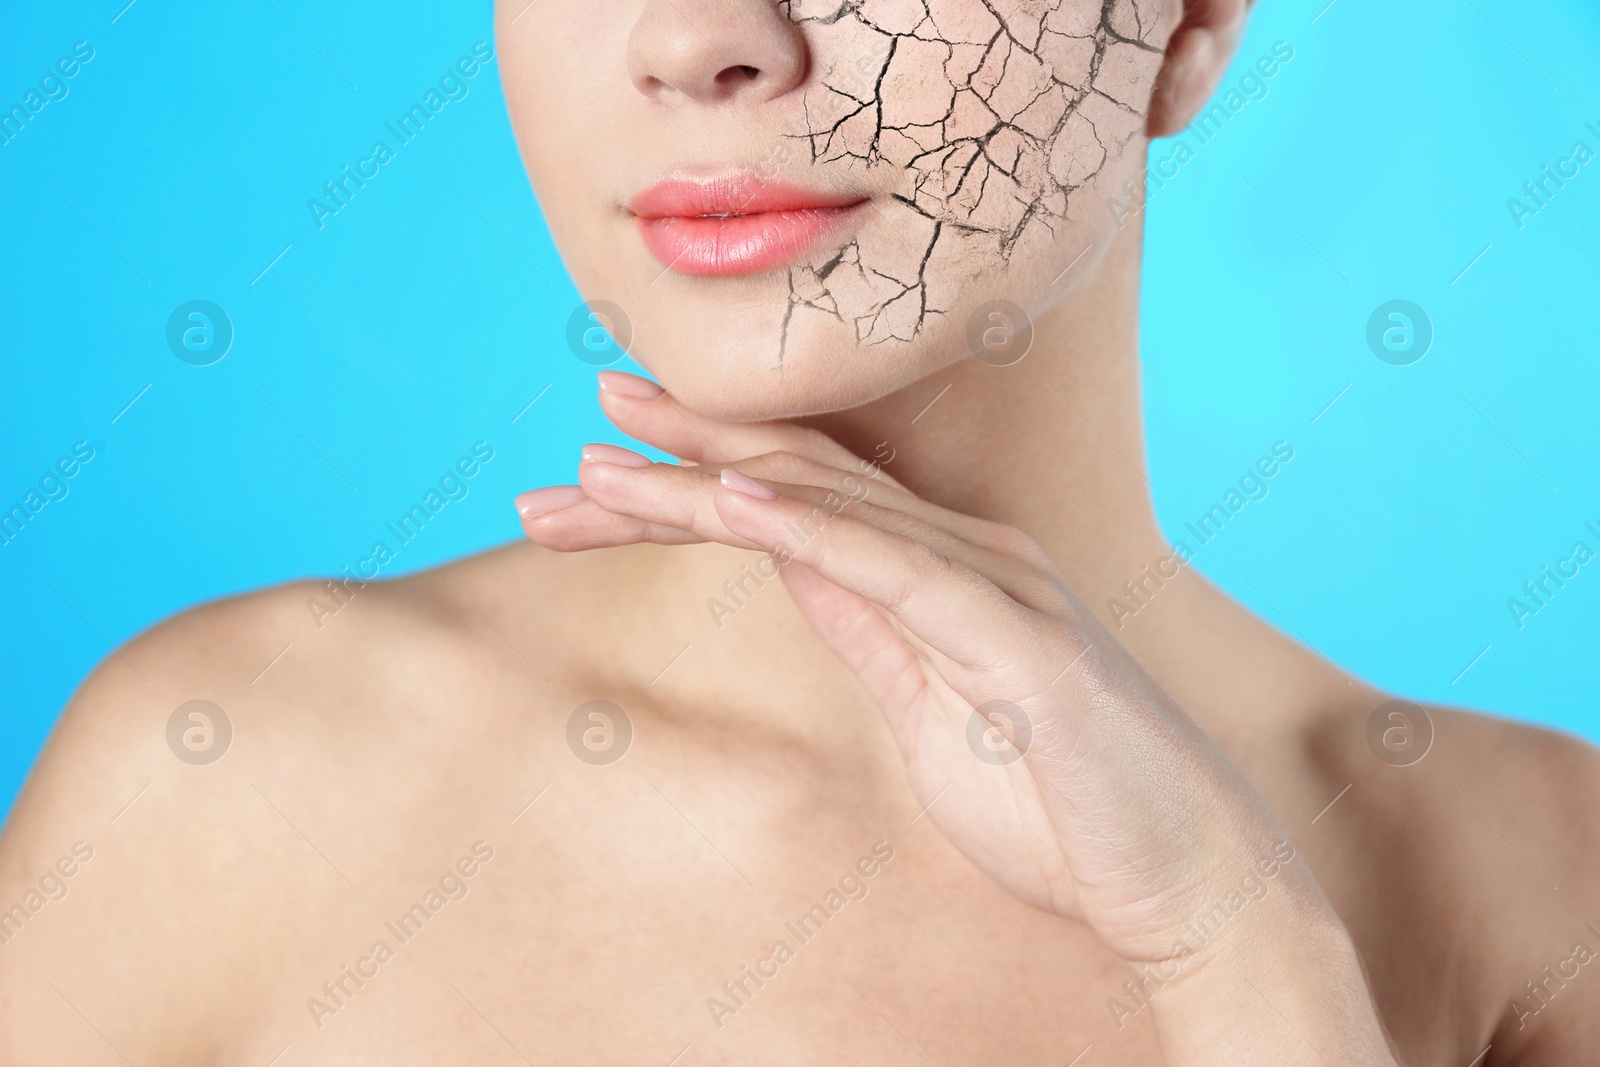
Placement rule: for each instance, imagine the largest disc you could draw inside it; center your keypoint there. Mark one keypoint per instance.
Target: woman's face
(803, 205)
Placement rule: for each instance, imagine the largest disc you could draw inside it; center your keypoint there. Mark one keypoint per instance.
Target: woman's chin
(739, 378)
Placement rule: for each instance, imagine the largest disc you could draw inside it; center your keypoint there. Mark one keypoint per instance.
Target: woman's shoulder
(1511, 802)
(314, 645)
(1477, 834)
(308, 662)
(1521, 783)
(1527, 800)
(259, 754)
(297, 642)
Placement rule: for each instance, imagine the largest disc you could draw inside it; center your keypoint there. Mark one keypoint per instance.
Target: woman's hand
(1073, 780)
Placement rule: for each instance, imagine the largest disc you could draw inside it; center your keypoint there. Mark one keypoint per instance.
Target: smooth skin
(969, 528)
(938, 615)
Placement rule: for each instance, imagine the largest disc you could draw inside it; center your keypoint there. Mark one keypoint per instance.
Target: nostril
(729, 79)
(717, 51)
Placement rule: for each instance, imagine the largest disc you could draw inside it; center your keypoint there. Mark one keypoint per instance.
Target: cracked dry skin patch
(996, 114)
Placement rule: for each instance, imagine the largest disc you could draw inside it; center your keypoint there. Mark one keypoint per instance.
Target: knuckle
(818, 445)
(800, 469)
(1018, 540)
(1015, 542)
(812, 440)
(925, 565)
(779, 465)
(917, 566)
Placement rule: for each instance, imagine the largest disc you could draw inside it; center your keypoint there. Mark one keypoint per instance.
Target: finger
(683, 497)
(817, 459)
(864, 640)
(940, 601)
(642, 409)
(563, 518)
(626, 483)
(624, 498)
(660, 496)
(902, 513)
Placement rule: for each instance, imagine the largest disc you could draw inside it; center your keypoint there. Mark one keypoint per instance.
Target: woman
(884, 728)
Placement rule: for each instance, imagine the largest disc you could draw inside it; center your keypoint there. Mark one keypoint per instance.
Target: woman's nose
(715, 51)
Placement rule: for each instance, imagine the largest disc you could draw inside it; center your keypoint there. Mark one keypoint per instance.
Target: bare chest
(701, 901)
(644, 925)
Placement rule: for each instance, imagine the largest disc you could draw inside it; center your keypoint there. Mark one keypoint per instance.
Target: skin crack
(998, 113)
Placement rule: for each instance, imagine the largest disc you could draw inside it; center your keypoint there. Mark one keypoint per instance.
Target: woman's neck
(1053, 444)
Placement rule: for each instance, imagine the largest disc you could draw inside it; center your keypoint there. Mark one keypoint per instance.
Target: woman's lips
(736, 225)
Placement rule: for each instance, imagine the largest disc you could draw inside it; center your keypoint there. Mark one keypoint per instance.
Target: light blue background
(375, 351)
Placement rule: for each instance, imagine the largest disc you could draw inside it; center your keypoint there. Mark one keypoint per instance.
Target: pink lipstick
(739, 224)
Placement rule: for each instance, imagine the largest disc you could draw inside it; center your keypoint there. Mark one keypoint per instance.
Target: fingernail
(551, 498)
(622, 457)
(621, 383)
(743, 483)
